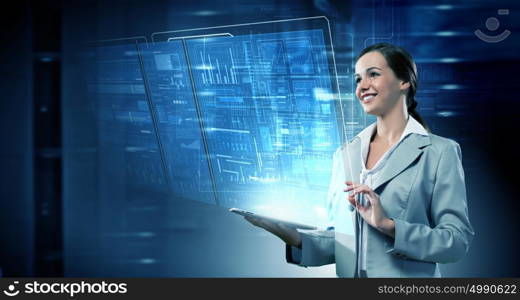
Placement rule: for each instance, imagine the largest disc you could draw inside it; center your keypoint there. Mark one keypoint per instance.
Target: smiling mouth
(368, 98)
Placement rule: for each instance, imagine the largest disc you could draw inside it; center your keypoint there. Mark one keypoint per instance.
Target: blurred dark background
(55, 221)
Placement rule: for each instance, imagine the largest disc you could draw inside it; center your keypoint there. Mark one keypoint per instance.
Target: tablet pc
(290, 224)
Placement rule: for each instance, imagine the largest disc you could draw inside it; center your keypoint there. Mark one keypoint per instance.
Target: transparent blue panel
(129, 162)
(132, 189)
(269, 117)
(178, 125)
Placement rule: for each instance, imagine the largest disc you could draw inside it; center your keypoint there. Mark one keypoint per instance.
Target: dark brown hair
(404, 68)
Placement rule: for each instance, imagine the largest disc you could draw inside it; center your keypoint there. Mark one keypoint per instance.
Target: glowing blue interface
(260, 107)
(245, 121)
(178, 122)
(129, 161)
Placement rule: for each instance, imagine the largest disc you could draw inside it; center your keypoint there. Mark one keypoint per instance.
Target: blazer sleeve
(318, 245)
(317, 249)
(450, 238)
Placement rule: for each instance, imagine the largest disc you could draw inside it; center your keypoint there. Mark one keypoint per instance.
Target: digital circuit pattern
(261, 107)
(128, 156)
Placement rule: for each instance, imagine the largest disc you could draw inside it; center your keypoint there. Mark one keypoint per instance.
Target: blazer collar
(412, 126)
(408, 150)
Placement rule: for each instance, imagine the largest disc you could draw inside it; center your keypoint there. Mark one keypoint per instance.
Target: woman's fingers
(258, 222)
(357, 188)
(362, 189)
(350, 186)
(352, 199)
(287, 234)
(351, 196)
(265, 224)
(369, 195)
(253, 220)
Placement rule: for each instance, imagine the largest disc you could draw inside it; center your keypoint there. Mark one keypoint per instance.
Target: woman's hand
(373, 213)
(289, 235)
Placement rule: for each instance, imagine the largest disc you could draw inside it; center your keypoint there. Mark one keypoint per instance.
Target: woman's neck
(391, 125)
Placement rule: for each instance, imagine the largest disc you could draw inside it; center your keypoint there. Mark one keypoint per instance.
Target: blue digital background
(127, 210)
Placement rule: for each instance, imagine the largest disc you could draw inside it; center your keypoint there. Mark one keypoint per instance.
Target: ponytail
(411, 105)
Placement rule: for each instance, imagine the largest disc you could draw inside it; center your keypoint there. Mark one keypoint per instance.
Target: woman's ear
(404, 85)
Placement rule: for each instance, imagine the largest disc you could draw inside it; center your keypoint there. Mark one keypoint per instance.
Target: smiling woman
(393, 63)
(407, 195)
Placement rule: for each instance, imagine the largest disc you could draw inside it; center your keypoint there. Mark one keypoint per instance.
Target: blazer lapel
(405, 153)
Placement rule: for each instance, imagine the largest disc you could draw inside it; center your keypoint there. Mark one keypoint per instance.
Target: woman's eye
(373, 74)
(358, 80)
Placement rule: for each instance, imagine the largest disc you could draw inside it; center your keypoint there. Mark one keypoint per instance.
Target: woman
(406, 192)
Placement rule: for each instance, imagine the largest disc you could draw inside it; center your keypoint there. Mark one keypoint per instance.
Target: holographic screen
(243, 116)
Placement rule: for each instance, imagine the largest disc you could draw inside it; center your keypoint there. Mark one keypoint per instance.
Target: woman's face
(377, 88)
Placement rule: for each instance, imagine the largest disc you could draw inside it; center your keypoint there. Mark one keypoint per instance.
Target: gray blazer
(421, 188)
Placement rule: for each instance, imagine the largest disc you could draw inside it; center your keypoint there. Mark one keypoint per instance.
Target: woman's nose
(364, 84)
(362, 87)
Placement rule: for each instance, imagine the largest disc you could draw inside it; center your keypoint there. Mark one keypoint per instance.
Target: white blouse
(369, 176)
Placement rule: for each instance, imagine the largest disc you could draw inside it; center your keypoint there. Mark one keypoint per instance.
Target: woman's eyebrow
(367, 70)
(373, 68)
